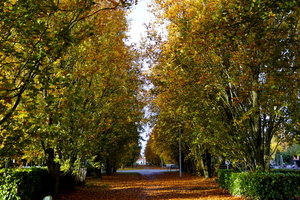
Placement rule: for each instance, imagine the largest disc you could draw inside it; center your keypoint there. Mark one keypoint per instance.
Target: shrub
(224, 177)
(284, 171)
(260, 185)
(25, 184)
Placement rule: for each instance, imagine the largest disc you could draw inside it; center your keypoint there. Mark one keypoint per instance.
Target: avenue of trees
(224, 82)
(69, 85)
(226, 76)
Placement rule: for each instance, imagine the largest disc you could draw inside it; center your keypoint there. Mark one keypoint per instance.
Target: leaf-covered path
(155, 186)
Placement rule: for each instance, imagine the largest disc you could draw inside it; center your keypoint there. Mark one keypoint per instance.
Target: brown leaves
(153, 186)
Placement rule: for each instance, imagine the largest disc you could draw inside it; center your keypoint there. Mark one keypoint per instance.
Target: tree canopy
(69, 84)
(227, 73)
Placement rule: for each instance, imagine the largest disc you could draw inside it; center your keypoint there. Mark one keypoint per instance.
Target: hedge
(24, 184)
(260, 185)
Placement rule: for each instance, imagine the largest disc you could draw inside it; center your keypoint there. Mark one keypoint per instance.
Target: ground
(148, 186)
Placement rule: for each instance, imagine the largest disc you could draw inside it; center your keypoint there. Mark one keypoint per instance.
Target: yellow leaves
(57, 61)
(21, 115)
(30, 154)
(8, 4)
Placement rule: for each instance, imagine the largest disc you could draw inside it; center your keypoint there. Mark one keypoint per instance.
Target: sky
(139, 16)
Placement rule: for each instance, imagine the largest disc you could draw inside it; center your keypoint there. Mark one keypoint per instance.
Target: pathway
(143, 171)
(148, 184)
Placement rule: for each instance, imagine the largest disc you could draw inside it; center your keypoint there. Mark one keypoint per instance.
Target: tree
(34, 33)
(158, 152)
(151, 156)
(62, 83)
(228, 72)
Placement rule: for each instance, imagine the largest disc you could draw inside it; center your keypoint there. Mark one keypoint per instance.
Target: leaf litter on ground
(156, 186)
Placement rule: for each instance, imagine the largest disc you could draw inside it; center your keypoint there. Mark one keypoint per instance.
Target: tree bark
(206, 163)
(7, 164)
(54, 171)
(108, 167)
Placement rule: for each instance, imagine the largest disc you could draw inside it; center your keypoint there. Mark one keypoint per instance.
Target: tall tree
(64, 73)
(34, 33)
(229, 71)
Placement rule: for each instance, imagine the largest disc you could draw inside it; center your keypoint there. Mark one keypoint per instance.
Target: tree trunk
(206, 163)
(108, 167)
(54, 171)
(7, 164)
(98, 173)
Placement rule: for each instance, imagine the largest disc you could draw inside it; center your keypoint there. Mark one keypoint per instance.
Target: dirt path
(156, 186)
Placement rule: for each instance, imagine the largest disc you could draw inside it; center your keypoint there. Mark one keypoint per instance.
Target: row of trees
(69, 85)
(227, 77)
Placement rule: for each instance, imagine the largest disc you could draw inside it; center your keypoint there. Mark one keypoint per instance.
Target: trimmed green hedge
(24, 184)
(260, 185)
(284, 171)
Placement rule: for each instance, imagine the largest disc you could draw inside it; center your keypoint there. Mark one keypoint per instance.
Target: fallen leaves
(156, 186)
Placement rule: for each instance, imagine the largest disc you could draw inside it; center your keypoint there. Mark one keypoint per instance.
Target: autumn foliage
(226, 74)
(69, 86)
(223, 81)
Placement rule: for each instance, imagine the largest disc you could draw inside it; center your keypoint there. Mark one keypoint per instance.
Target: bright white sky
(139, 16)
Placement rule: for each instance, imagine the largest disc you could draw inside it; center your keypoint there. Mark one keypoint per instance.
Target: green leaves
(223, 68)
(66, 88)
(24, 184)
(260, 185)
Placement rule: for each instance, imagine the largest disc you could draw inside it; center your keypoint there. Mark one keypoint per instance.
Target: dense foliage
(69, 85)
(27, 184)
(224, 84)
(226, 75)
(260, 185)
